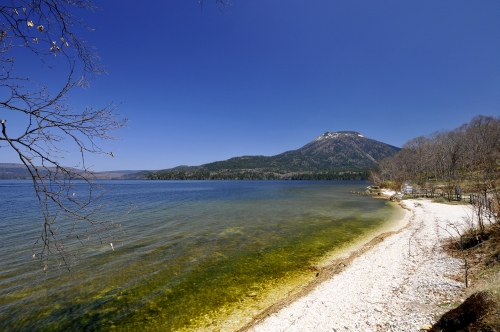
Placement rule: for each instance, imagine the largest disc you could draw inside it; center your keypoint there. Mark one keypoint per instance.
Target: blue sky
(270, 76)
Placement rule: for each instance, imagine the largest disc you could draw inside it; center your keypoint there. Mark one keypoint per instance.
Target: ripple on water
(192, 255)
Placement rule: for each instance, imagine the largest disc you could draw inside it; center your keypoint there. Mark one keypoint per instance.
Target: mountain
(341, 155)
(336, 155)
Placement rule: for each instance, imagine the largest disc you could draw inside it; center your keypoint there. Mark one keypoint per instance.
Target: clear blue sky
(270, 76)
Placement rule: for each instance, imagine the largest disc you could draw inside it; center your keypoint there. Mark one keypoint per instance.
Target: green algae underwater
(195, 255)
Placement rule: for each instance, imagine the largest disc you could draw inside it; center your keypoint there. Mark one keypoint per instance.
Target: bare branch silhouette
(49, 31)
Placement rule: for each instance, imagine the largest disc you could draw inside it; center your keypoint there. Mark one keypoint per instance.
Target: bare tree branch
(48, 29)
(220, 4)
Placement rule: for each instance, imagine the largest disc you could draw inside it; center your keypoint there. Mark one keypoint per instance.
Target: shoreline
(388, 254)
(392, 226)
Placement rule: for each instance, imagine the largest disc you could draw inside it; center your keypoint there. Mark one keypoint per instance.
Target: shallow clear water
(190, 254)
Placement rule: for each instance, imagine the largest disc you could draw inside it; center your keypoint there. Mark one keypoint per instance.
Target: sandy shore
(398, 284)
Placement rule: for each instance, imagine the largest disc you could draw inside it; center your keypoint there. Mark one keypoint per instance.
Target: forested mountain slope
(332, 155)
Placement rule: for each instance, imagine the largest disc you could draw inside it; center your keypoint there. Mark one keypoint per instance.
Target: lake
(190, 255)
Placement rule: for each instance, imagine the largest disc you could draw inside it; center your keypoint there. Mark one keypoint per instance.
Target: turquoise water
(190, 255)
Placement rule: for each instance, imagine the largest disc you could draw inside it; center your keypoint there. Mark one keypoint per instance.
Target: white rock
(406, 283)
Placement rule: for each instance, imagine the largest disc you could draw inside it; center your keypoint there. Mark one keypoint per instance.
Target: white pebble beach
(401, 284)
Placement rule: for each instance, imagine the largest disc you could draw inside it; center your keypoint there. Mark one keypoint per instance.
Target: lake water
(190, 255)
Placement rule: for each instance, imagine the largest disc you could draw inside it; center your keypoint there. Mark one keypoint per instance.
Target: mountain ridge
(335, 153)
(341, 155)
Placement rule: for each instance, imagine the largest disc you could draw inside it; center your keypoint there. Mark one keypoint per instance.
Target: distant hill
(18, 172)
(332, 155)
(13, 171)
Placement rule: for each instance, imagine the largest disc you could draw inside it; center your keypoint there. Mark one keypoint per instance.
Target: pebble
(389, 288)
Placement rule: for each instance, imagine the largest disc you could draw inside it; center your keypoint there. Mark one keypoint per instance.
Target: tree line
(467, 156)
(258, 175)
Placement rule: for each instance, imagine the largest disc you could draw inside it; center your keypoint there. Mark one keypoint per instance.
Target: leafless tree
(450, 152)
(467, 155)
(219, 3)
(48, 31)
(457, 236)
